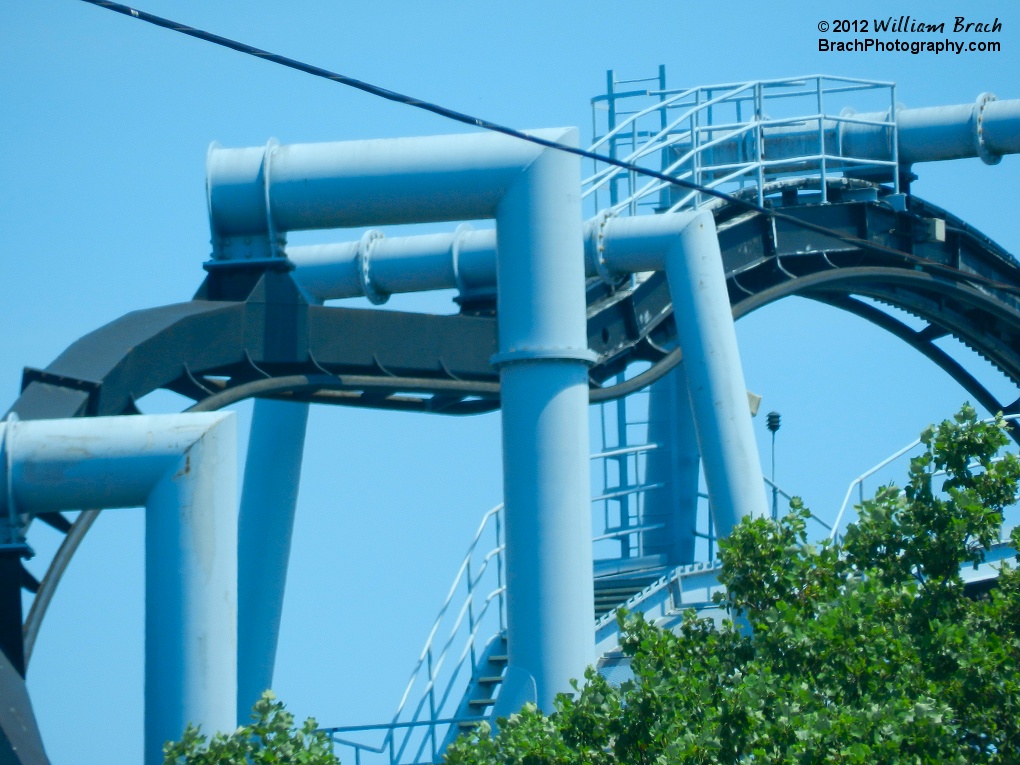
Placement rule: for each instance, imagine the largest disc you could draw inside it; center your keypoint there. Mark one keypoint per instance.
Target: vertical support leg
(675, 464)
(268, 500)
(11, 642)
(550, 595)
(191, 594)
(544, 392)
(715, 378)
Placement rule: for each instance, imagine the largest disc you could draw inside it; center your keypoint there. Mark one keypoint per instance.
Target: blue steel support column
(715, 378)
(543, 373)
(271, 476)
(675, 464)
(183, 468)
(191, 593)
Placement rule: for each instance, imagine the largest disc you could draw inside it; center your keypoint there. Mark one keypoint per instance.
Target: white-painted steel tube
(265, 526)
(715, 377)
(182, 468)
(543, 364)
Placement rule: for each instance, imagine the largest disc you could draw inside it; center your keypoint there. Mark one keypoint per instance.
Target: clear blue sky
(105, 123)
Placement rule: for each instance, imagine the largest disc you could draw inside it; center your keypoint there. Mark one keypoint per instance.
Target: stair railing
(420, 728)
(857, 485)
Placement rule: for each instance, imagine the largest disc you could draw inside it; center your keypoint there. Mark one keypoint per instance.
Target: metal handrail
(624, 450)
(432, 737)
(428, 672)
(655, 185)
(438, 668)
(654, 142)
(858, 482)
(626, 491)
(387, 743)
(697, 108)
(446, 604)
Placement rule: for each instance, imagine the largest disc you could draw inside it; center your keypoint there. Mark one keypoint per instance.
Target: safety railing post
(471, 613)
(500, 571)
(431, 731)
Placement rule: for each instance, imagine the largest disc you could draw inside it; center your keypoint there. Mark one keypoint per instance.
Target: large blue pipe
(674, 465)
(987, 128)
(256, 195)
(182, 468)
(543, 360)
(272, 474)
(715, 377)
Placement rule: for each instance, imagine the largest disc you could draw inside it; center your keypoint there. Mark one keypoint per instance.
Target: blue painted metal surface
(676, 466)
(182, 468)
(543, 360)
(257, 195)
(741, 136)
(715, 378)
(266, 521)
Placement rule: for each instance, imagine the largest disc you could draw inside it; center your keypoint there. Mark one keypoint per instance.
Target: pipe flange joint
(987, 155)
(364, 260)
(845, 114)
(459, 235)
(277, 241)
(598, 245)
(14, 522)
(518, 355)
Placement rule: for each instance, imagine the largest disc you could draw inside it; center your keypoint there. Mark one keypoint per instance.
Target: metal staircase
(483, 689)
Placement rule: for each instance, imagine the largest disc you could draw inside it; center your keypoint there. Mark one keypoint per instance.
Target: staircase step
(501, 658)
(490, 680)
(481, 702)
(612, 591)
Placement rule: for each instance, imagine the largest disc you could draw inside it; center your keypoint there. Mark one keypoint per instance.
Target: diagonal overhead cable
(467, 119)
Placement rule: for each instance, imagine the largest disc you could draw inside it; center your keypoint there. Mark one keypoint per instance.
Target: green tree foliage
(866, 651)
(271, 738)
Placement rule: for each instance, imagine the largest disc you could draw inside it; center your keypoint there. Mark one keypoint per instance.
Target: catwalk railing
(856, 487)
(734, 137)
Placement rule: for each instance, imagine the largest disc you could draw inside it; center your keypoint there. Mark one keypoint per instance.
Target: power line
(467, 119)
(400, 98)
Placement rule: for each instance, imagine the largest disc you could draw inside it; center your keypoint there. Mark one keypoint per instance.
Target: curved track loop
(270, 343)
